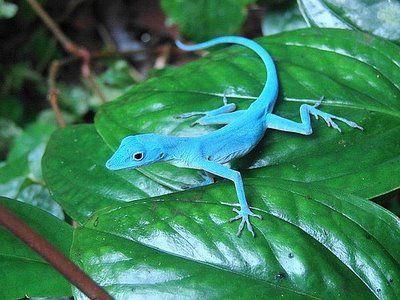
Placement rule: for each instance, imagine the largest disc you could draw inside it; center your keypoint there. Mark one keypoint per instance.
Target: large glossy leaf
(358, 74)
(22, 272)
(74, 170)
(379, 17)
(311, 243)
(204, 19)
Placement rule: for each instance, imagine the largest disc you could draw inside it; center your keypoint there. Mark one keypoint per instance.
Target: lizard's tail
(269, 93)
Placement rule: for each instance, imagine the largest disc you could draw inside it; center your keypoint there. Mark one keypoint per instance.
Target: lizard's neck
(170, 146)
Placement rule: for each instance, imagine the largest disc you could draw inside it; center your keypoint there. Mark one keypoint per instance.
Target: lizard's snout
(111, 165)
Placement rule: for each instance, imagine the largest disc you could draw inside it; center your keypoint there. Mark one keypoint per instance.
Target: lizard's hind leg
(279, 123)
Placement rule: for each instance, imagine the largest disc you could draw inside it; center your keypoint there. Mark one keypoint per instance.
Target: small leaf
(30, 145)
(7, 10)
(379, 17)
(8, 131)
(22, 272)
(311, 243)
(204, 19)
(12, 177)
(285, 18)
(118, 75)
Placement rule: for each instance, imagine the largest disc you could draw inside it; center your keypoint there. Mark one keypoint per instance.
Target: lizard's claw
(332, 124)
(328, 118)
(329, 121)
(244, 215)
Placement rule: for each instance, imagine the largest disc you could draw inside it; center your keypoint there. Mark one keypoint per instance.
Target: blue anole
(243, 130)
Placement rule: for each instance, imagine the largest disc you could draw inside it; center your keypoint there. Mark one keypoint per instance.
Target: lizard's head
(136, 151)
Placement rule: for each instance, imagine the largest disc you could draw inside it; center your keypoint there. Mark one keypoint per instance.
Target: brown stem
(55, 29)
(95, 88)
(53, 92)
(68, 45)
(53, 256)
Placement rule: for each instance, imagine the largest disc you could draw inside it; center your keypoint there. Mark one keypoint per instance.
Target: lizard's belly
(229, 156)
(231, 146)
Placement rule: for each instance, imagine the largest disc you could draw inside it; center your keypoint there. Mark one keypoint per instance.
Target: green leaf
(43, 47)
(11, 108)
(285, 18)
(74, 170)
(30, 145)
(358, 74)
(311, 243)
(18, 74)
(23, 272)
(8, 131)
(39, 196)
(118, 75)
(12, 177)
(379, 17)
(14, 183)
(204, 19)
(21, 175)
(35, 135)
(7, 10)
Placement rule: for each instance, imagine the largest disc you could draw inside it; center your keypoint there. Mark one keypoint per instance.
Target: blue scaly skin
(243, 130)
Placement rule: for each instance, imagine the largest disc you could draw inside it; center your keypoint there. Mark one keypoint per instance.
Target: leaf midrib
(325, 102)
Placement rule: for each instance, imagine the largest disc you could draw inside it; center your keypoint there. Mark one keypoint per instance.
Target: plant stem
(52, 95)
(53, 256)
(68, 45)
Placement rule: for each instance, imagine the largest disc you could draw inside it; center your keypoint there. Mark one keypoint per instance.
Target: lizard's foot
(244, 214)
(328, 118)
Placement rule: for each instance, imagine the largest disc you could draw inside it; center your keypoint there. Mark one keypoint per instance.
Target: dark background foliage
(78, 203)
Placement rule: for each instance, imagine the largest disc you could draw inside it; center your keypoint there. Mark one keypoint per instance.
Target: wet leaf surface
(311, 243)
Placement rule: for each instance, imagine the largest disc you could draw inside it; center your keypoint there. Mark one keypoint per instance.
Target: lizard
(240, 133)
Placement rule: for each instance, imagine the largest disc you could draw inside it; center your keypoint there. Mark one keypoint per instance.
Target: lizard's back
(235, 139)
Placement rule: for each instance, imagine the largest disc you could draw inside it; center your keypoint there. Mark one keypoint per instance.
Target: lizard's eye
(138, 156)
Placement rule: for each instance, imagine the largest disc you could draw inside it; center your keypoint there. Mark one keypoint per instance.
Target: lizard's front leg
(226, 108)
(244, 213)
